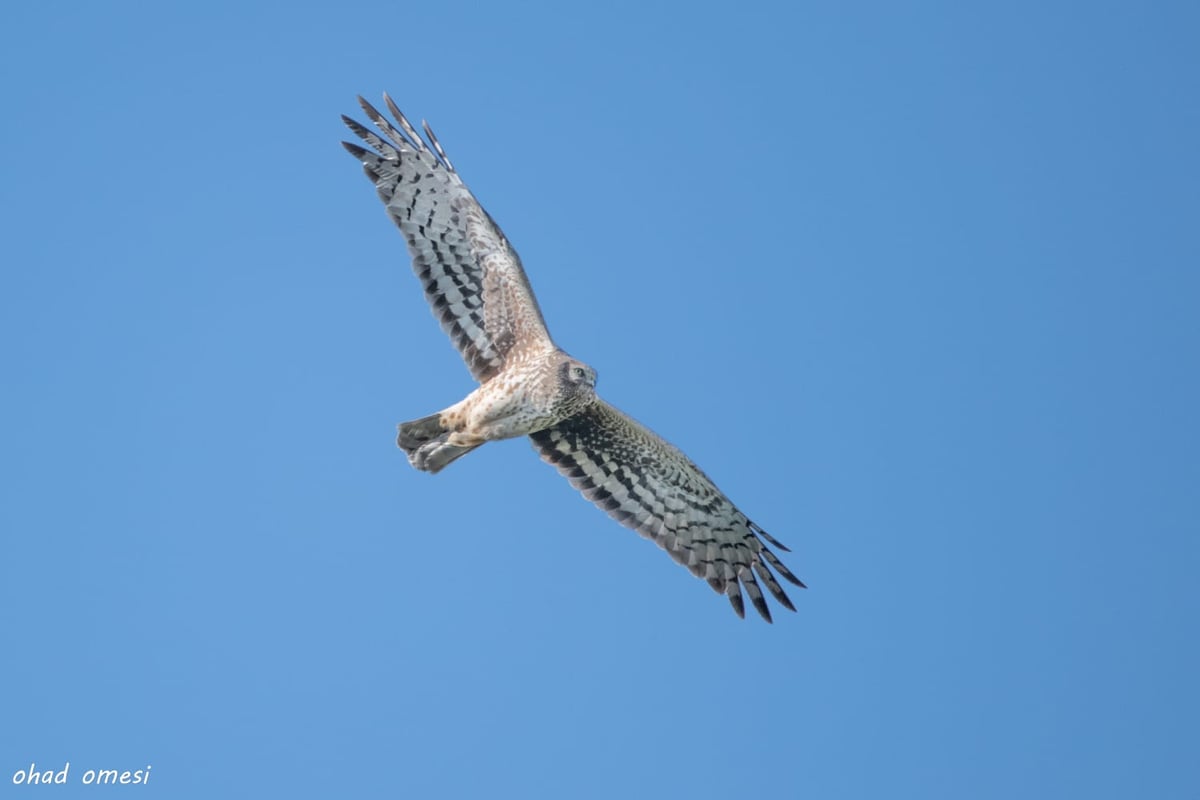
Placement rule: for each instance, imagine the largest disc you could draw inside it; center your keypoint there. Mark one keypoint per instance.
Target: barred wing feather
(648, 485)
(472, 276)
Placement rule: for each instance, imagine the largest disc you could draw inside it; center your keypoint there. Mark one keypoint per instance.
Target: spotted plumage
(474, 281)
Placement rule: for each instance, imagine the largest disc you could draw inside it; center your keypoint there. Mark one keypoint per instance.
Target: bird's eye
(577, 373)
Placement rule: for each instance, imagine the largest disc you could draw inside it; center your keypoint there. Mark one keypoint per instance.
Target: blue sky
(916, 284)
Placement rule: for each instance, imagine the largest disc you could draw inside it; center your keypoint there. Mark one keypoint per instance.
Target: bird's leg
(464, 439)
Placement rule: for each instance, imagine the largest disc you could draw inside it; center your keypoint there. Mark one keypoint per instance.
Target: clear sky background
(917, 284)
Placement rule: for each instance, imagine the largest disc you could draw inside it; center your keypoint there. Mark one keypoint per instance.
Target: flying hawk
(529, 387)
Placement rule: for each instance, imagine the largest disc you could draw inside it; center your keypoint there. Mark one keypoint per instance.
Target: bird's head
(577, 378)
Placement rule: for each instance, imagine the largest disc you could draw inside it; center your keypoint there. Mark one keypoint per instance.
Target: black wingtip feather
(784, 600)
(757, 529)
(370, 110)
(774, 561)
(391, 104)
(355, 150)
(760, 605)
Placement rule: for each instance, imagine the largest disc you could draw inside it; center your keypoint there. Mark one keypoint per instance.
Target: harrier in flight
(474, 281)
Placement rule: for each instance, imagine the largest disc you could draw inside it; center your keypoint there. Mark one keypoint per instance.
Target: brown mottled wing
(473, 278)
(650, 486)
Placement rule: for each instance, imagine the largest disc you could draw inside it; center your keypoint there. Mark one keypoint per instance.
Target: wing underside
(648, 485)
(472, 277)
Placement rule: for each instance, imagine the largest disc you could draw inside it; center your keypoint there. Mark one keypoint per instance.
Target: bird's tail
(425, 442)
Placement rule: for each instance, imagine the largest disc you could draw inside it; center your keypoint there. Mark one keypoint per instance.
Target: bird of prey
(529, 386)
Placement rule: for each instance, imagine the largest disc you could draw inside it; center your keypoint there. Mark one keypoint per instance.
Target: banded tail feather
(425, 443)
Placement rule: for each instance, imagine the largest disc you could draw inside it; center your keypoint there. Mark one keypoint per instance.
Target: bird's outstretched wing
(650, 486)
(472, 276)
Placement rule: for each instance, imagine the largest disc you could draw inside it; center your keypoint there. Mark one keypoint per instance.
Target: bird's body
(529, 394)
(477, 287)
